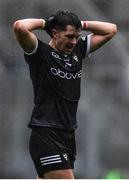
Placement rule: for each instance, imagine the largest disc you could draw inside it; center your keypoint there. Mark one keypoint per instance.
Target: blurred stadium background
(103, 113)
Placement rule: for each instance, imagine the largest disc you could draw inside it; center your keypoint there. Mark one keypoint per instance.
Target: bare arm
(23, 31)
(102, 32)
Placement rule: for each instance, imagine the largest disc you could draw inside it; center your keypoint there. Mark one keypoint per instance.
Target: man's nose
(74, 41)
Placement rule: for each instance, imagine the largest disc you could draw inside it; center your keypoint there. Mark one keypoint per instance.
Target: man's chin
(68, 51)
(65, 52)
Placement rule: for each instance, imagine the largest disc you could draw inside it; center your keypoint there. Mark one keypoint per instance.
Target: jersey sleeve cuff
(88, 45)
(34, 51)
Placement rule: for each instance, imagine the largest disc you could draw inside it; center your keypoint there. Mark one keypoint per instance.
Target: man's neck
(52, 44)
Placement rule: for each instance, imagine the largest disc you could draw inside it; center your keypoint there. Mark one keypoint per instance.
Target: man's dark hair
(60, 20)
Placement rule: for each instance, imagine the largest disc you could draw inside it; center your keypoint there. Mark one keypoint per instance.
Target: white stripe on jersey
(88, 43)
(48, 157)
(53, 159)
(54, 162)
(50, 160)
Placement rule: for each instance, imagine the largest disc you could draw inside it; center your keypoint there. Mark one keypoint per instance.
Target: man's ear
(54, 33)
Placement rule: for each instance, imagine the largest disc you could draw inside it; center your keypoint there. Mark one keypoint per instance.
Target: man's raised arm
(23, 31)
(101, 32)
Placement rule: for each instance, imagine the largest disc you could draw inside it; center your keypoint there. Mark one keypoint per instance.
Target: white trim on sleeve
(34, 51)
(88, 44)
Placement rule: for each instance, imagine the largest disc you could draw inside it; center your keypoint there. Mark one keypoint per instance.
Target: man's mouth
(70, 47)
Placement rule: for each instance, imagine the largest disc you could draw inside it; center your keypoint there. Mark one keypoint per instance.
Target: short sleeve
(83, 45)
(35, 57)
(34, 51)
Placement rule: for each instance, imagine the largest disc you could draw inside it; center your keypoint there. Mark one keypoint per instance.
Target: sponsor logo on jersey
(66, 58)
(56, 56)
(66, 75)
(68, 64)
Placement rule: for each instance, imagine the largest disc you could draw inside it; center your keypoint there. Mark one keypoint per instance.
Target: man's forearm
(31, 24)
(98, 27)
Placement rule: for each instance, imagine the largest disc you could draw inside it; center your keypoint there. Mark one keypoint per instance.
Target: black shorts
(52, 149)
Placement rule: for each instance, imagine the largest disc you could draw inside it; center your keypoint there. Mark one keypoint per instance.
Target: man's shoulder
(43, 47)
(83, 45)
(42, 43)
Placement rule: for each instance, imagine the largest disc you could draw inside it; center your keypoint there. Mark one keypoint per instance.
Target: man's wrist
(84, 25)
(43, 23)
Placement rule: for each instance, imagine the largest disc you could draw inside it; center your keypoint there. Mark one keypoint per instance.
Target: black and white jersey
(56, 81)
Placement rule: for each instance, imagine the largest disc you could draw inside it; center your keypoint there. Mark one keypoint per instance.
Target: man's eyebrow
(72, 35)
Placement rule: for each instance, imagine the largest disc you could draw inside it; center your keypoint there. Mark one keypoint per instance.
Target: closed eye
(69, 36)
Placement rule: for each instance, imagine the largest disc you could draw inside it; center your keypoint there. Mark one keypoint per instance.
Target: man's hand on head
(49, 22)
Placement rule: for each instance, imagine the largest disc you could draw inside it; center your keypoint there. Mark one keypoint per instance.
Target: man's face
(66, 40)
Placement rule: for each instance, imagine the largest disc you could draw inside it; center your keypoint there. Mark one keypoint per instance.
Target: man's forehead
(72, 30)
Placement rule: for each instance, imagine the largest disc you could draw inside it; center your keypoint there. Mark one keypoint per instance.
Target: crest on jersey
(75, 58)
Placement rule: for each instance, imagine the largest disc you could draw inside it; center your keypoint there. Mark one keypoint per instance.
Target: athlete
(55, 71)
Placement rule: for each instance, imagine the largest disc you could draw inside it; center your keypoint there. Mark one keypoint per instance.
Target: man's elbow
(113, 30)
(18, 27)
